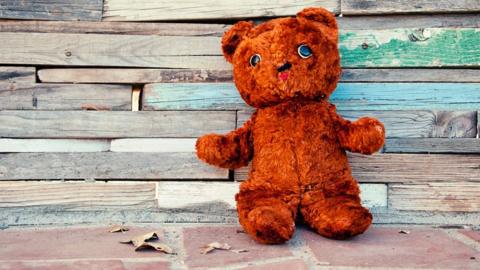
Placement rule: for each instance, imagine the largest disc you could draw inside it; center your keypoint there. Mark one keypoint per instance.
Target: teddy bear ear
(233, 37)
(321, 18)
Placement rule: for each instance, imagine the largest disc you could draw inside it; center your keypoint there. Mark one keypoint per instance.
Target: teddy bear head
(284, 59)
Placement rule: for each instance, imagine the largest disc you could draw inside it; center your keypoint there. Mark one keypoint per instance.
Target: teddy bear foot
(268, 225)
(338, 221)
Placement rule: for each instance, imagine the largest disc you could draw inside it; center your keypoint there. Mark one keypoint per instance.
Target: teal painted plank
(348, 96)
(432, 47)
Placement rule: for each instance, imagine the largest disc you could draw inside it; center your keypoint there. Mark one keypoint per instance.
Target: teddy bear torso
(296, 142)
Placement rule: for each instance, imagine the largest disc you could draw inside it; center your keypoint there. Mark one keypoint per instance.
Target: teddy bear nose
(284, 67)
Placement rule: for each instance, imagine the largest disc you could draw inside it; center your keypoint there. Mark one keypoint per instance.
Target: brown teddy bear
(287, 68)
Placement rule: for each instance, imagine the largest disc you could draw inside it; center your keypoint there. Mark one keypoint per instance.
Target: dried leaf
(404, 232)
(215, 245)
(240, 231)
(140, 239)
(155, 245)
(118, 228)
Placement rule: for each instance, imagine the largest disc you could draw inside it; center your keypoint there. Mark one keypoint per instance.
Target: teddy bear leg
(268, 220)
(337, 217)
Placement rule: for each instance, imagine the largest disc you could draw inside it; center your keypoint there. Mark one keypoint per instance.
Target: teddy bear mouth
(283, 75)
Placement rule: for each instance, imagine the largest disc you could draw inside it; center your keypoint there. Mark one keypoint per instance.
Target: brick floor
(195, 238)
(96, 248)
(386, 247)
(296, 264)
(475, 235)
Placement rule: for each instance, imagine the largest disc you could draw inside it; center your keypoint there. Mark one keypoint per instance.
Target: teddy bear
(286, 68)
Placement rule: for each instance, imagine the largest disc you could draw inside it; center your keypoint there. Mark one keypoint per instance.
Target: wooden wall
(101, 102)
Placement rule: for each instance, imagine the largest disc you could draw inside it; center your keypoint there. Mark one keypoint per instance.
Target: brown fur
(296, 139)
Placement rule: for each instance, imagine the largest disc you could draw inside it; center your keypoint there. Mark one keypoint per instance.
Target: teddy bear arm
(366, 135)
(231, 151)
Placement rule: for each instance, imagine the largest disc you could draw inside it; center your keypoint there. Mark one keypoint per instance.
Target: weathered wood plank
(361, 7)
(429, 47)
(446, 196)
(126, 28)
(111, 50)
(28, 216)
(222, 194)
(210, 29)
(374, 22)
(131, 75)
(65, 10)
(53, 145)
(106, 165)
(432, 145)
(146, 75)
(406, 168)
(446, 47)
(115, 124)
(412, 124)
(163, 10)
(17, 74)
(348, 96)
(77, 195)
(153, 145)
(410, 75)
(42, 96)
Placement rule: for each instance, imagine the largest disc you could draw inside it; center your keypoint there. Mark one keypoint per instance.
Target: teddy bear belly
(297, 145)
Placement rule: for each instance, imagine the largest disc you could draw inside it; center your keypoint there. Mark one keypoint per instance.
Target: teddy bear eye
(304, 51)
(255, 59)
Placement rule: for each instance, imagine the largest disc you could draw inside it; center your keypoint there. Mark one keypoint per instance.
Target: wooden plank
(111, 50)
(412, 124)
(424, 47)
(126, 28)
(217, 213)
(406, 168)
(432, 145)
(446, 47)
(410, 75)
(132, 75)
(371, 22)
(361, 7)
(17, 74)
(117, 124)
(106, 165)
(374, 22)
(163, 10)
(446, 196)
(32, 96)
(348, 96)
(136, 93)
(77, 195)
(146, 75)
(53, 145)
(65, 10)
(154, 145)
(222, 194)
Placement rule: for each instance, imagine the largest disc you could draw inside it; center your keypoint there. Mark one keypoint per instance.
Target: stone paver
(296, 264)
(195, 238)
(83, 265)
(70, 243)
(475, 235)
(386, 247)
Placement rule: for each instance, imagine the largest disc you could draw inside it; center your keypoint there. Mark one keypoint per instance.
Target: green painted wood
(399, 47)
(348, 96)
(432, 47)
